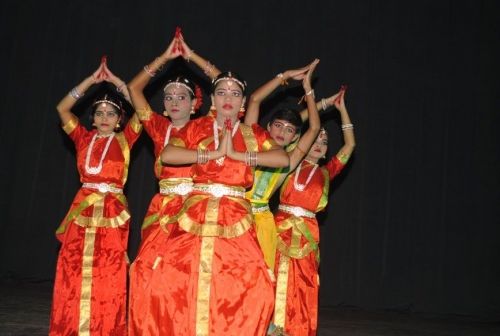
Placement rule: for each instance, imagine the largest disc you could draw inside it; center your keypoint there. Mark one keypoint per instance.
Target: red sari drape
(154, 229)
(297, 257)
(210, 278)
(90, 284)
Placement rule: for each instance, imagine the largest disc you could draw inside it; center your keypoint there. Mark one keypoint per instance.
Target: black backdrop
(412, 224)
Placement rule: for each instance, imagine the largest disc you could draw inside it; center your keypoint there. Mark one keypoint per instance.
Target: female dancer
(213, 271)
(304, 193)
(90, 285)
(284, 128)
(181, 99)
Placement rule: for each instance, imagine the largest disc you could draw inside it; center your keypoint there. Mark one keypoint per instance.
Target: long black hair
(292, 116)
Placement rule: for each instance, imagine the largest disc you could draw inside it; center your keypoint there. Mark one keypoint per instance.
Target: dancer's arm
(347, 129)
(137, 85)
(321, 105)
(189, 55)
(66, 104)
(275, 157)
(121, 86)
(308, 138)
(253, 109)
(177, 155)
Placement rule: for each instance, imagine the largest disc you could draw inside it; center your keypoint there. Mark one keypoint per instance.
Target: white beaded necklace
(169, 130)
(298, 186)
(167, 136)
(220, 160)
(96, 170)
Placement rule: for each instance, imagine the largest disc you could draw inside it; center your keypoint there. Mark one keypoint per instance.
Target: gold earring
(117, 127)
(242, 109)
(192, 110)
(165, 113)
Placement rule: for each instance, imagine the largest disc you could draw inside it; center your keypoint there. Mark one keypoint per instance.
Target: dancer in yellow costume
(284, 128)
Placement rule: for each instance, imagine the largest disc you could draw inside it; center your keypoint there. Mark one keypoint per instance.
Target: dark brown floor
(25, 307)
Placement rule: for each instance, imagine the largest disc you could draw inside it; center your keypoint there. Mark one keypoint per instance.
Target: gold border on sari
(211, 228)
(281, 291)
(135, 124)
(294, 252)
(122, 141)
(99, 221)
(71, 125)
(144, 113)
(326, 186)
(177, 142)
(249, 138)
(87, 201)
(299, 229)
(86, 286)
(205, 271)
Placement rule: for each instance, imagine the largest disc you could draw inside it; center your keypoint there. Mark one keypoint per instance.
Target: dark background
(412, 223)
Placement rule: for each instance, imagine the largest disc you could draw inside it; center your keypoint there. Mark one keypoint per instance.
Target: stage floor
(25, 308)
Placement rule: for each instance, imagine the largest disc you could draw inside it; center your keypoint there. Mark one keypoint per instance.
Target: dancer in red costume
(181, 99)
(90, 285)
(213, 273)
(303, 194)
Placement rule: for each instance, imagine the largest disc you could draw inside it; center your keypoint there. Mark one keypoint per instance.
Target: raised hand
(98, 76)
(178, 36)
(306, 82)
(296, 74)
(172, 51)
(223, 143)
(109, 76)
(186, 50)
(338, 99)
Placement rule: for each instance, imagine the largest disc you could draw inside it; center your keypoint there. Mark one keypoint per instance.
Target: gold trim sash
(249, 138)
(122, 141)
(326, 187)
(212, 229)
(281, 291)
(144, 113)
(103, 222)
(86, 285)
(71, 124)
(205, 271)
(135, 123)
(84, 204)
(299, 228)
(97, 219)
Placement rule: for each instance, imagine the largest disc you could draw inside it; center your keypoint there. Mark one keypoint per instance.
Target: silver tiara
(105, 100)
(177, 83)
(230, 78)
